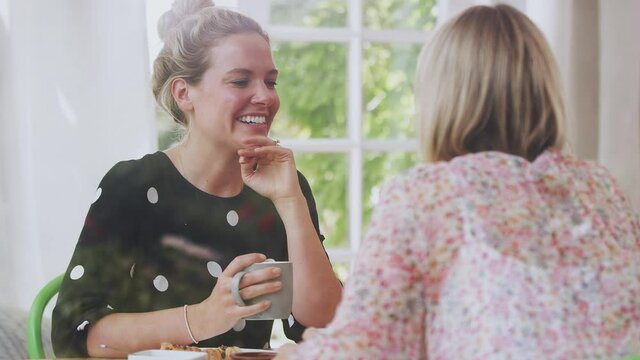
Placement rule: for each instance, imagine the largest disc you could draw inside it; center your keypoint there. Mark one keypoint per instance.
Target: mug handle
(235, 288)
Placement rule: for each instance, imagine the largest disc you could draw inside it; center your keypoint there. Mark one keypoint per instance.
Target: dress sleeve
(382, 313)
(292, 328)
(98, 274)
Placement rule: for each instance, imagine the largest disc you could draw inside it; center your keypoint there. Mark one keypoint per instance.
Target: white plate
(168, 354)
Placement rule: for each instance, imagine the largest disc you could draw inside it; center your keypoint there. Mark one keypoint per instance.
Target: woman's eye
(240, 83)
(271, 84)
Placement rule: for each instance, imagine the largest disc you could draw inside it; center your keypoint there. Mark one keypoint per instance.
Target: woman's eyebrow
(246, 72)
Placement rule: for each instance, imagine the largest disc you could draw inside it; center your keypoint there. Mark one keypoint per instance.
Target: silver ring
(235, 288)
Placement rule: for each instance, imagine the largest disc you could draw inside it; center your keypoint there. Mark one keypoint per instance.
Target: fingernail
(276, 271)
(277, 285)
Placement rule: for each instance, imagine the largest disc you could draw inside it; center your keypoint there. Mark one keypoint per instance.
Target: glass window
(400, 14)
(380, 167)
(387, 73)
(312, 88)
(327, 176)
(309, 13)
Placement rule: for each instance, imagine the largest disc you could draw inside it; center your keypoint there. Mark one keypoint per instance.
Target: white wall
(75, 100)
(620, 93)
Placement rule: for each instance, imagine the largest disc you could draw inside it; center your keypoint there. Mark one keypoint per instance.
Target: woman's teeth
(253, 119)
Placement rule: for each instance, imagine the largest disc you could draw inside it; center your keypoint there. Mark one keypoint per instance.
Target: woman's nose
(264, 95)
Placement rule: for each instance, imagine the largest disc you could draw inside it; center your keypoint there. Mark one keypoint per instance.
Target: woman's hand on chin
(269, 169)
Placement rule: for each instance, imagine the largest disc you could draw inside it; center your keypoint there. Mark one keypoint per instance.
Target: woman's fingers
(256, 141)
(253, 291)
(241, 262)
(258, 276)
(249, 310)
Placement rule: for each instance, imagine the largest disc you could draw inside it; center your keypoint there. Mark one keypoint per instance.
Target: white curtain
(75, 99)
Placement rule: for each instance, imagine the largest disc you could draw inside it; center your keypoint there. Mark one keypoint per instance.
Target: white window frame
(354, 35)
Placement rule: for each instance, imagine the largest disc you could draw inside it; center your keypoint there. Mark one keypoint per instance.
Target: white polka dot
(291, 320)
(161, 283)
(109, 307)
(239, 326)
(152, 195)
(97, 195)
(133, 268)
(82, 326)
(214, 268)
(232, 218)
(76, 272)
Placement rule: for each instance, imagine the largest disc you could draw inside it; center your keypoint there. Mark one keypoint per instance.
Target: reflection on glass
(312, 85)
(327, 175)
(309, 13)
(379, 168)
(388, 90)
(400, 14)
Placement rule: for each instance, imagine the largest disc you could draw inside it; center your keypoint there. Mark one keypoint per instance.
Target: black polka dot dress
(153, 241)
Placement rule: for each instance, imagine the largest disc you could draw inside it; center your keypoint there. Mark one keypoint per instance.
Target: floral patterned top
(489, 256)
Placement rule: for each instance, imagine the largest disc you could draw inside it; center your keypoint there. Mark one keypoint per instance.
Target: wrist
(290, 202)
(196, 321)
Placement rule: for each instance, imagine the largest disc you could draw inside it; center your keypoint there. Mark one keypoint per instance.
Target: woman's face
(236, 98)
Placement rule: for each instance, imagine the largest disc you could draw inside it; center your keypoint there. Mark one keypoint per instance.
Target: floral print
(489, 256)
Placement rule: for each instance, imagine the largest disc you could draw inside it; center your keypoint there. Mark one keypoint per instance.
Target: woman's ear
(180, 92)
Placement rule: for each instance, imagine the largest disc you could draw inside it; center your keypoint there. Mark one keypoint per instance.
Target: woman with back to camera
(148, 267)
(502, 245)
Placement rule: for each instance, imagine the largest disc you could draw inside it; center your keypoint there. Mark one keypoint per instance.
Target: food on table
(217, 353)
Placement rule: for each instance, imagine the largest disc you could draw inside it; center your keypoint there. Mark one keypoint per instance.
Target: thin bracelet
(186, 322)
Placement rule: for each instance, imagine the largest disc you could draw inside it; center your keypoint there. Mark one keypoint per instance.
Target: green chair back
(34, 324)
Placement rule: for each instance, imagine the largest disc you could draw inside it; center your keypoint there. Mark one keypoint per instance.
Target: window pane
(309, 13)
(169, 132)
(327, 175)
(379, 168)
(400, 14)
(312, 85)
(342, 270)
(388, 90)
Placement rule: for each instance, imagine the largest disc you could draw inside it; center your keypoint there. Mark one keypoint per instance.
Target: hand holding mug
(281, 300)
(219, 312)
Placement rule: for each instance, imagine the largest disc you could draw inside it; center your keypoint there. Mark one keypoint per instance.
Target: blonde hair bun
(180, 10)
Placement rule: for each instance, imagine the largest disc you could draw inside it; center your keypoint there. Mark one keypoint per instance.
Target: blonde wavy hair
(487, 81)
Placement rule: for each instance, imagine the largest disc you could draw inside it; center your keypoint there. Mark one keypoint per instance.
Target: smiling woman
(167, 232)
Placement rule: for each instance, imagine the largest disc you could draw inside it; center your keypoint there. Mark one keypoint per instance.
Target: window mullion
(355, 123)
